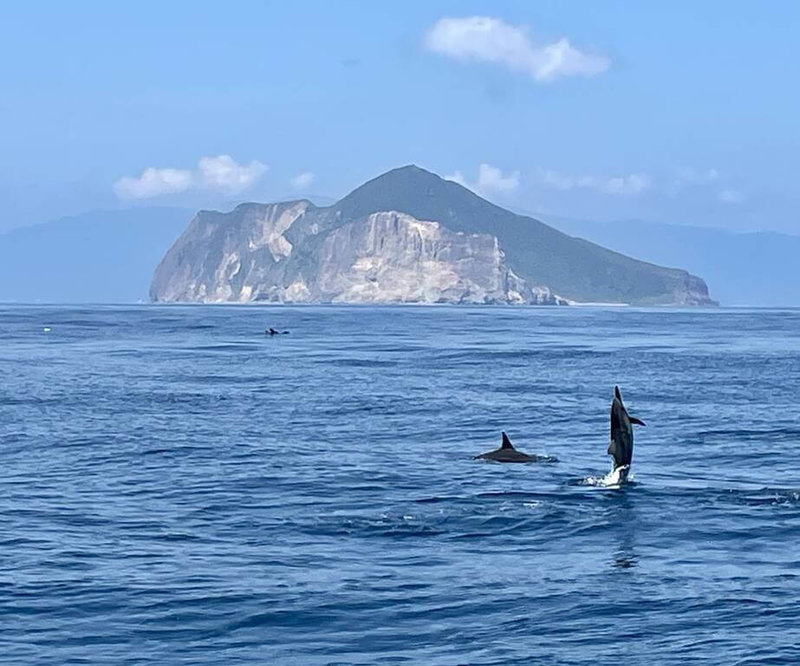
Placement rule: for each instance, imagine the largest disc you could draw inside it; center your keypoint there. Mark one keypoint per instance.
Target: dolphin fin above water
(508, 454)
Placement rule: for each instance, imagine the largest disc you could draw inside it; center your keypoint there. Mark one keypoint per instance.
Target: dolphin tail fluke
(506, 443)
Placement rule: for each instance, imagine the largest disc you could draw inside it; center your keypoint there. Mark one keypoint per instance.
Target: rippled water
(178, 488)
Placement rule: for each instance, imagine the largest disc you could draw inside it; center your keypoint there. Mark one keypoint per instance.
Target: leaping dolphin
(508, 454)
(621, 446)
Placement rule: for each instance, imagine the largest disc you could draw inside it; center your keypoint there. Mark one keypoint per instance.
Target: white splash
(614, 479)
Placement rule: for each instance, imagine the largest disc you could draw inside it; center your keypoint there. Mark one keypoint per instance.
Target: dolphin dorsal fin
(506, 443)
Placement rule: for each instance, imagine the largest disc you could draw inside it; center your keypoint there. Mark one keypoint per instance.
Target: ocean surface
(178, 488)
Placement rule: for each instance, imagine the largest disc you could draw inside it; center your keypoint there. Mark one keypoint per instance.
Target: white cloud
(490, 180)
(302, 180)
(630, 184)
(710, 180)
(153, 182)
(224, 173)
(458, 177)
(215, 173)
(694, 177)
(488, 39)
(731, 196)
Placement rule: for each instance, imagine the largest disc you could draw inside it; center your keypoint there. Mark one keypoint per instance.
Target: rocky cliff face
(406, 236)
(290, 253)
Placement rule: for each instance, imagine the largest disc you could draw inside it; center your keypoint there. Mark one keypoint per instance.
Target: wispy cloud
(688, 178)
(458, 177)
(707, 181)
(633, 183)
(224, 173)
(691, 176)
(302, 180)
(221, 173)
(153, 182)
(488, 39)
(731, 196)
(630, 184)
(490, 180)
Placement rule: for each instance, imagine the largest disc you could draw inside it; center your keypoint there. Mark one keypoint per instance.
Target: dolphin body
(508, 454)
(621, 446)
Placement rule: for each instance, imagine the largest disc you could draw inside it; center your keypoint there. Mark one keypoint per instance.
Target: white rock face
(391, 257)
(270, 227)
(273, 253)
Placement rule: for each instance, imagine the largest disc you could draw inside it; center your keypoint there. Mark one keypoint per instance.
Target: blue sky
(682, 112)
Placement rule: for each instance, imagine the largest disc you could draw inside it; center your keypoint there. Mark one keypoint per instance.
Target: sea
(177, 487)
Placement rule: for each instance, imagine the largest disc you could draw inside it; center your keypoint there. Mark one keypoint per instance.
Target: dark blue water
(177, 488)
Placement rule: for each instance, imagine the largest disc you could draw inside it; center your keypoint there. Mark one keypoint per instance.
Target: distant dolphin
(621, 446)
(508, 454)
(272, 331)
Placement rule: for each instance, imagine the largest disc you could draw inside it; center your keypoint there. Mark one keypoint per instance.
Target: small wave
(739, 435)
(384, 526)
(770, 497)
(359, 363)
(225, 347)
(443, 498)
